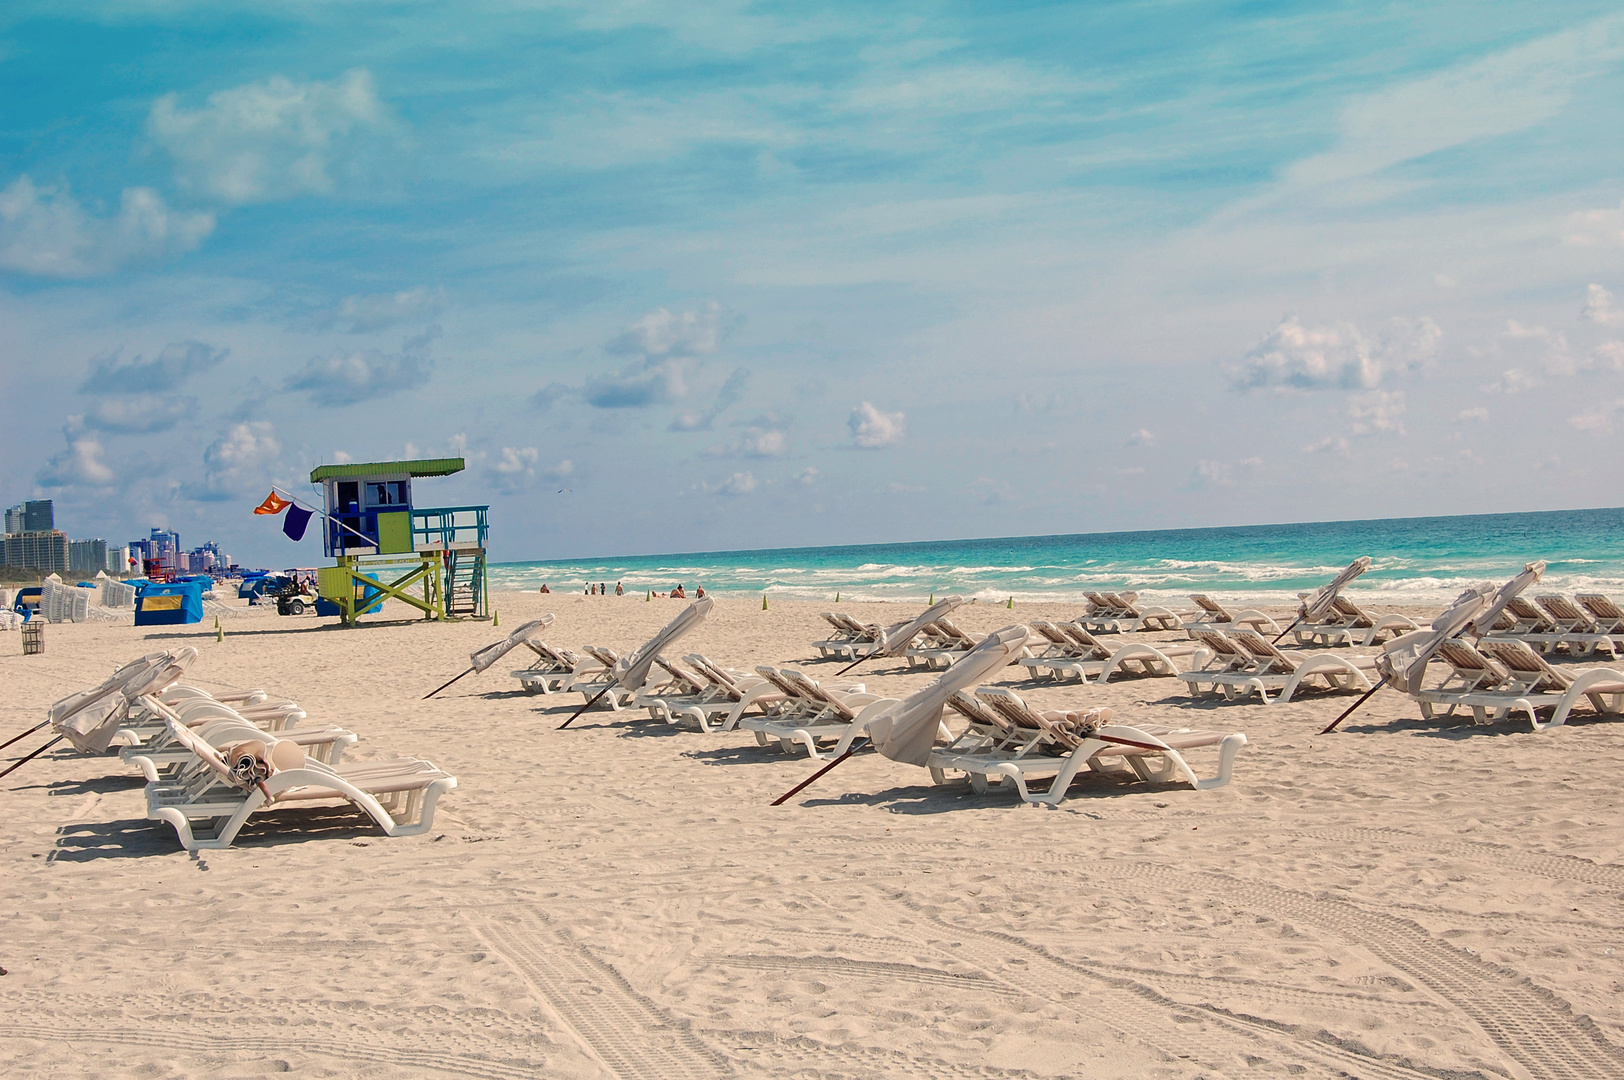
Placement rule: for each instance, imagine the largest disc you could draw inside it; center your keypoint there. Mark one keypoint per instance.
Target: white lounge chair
(208, 802)
(161, 757)
(1121, 613)
(1575, 630)
(941, 643)
(593, 673)
(1008, 740)
(850, 638)
(1072, 651)
(550, 672)
(811, 715)
(1346, 623)
(1273, 671)
(1609, 616)
(1214, 616)
(1532, 685)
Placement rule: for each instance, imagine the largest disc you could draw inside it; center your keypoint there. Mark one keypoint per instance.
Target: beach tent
(168, 603)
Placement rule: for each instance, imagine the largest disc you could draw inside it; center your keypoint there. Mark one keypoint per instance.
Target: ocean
(1414, 560)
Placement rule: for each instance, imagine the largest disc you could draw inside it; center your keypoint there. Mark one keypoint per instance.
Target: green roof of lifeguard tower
(444, 466)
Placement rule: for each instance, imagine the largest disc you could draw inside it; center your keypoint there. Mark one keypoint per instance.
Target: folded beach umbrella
(89, 723)
(1531, 573)
(1318, 602)
(481, 659)
(490, 654)
(1403, 661)
(896, 639)
(631, 672)
(907, 732)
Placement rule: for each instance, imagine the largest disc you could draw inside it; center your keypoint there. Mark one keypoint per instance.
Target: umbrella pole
(437, 689)
(1381, 682)
(587, 706)
(13, 766)
(1288, 629)
(24, 735)
(854, 663)
(804, 784)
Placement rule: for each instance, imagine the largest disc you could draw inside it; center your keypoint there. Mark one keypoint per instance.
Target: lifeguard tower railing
(443, 528)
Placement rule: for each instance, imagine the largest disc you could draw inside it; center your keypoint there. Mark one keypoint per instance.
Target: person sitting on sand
(544, 588)
(620, 590)
(699, 592)
(678, 594)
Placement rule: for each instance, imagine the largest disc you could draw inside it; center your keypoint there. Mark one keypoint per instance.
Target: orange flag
(273, 504)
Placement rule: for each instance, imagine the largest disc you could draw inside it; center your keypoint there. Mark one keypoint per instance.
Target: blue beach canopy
(169, 603)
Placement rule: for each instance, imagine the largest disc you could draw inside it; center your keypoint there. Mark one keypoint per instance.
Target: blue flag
(293, 526)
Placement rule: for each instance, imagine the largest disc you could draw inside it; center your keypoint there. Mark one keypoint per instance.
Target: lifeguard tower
(384, 545)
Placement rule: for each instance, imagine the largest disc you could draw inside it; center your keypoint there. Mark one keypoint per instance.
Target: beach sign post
(631, 672)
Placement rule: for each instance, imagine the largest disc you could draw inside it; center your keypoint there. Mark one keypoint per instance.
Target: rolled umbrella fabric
(907, 732)
(631, 672)
(490, 654)
(1403, 661)
(1318, 602)
(893, 641)
(1531, 572)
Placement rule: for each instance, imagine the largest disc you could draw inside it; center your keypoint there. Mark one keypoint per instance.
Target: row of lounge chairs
(1499, 677)
(213, 760)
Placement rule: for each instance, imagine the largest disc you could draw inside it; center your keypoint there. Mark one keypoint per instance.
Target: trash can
(33, 637)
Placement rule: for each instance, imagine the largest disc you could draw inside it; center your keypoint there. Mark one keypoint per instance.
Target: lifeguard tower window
(349, 497)
(388, 493)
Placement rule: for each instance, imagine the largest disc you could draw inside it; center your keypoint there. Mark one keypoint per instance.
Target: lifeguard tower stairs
(385, 547)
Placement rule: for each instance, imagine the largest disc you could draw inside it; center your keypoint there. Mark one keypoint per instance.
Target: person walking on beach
(620, 589)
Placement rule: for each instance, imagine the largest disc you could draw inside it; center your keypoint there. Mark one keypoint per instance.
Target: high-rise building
(87, 556)
(38, 516)
(118, 560)
(15, 518)
(46, 551)
(164, 542)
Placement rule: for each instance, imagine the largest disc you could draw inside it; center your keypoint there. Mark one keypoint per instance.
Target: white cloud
(518, 460)
(872, 429)
(174, 364)
(361, 375)
(1596, 228)
(1609, 354)
(1210, 473)
(740, 483)
(44, 231)
(1512, 381)
(1334, 356)
(243, 446)
(1377, 412)
(1142, 437)
(1598, 420)
(1478, 413)
(560, 471)
(764, 442)
(1502, 93)
(1330, 444)
(137, 414)
(80, 465)
(1599, 307)
(374, 311)
(702, 420)
(663, 332)
(807, 476)
(267, 141)
(648, 382)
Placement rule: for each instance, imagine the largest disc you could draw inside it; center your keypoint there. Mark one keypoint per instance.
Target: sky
(700, 276)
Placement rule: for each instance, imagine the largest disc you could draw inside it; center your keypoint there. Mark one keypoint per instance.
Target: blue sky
(697, 276)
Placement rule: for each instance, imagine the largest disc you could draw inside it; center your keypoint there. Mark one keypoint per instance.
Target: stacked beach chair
(213, 760)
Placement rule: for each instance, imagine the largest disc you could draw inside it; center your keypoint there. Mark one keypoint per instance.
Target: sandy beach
(1401, 899)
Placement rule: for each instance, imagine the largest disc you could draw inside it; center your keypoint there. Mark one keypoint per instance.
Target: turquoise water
(1414, 560)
